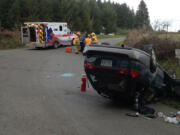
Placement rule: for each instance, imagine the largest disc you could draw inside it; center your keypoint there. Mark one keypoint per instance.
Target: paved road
(111, 41)
(36, 100)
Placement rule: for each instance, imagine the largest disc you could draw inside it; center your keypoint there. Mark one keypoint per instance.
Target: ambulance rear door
(25, 35)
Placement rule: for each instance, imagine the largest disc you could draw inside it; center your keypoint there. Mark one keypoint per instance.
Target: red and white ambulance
(46, 34)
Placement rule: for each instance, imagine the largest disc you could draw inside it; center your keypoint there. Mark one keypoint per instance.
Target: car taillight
(123, 71)
(89, 66)
(134, 73)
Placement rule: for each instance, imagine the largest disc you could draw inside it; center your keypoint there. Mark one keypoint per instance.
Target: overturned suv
(127, 73)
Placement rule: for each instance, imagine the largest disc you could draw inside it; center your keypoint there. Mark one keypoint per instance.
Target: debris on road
(137, 114)
(67, 75)
(132, 115)
(171, 120)
(147, 118)
(175, 119)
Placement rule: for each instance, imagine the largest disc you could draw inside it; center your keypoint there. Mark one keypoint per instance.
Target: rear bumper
(109, 81)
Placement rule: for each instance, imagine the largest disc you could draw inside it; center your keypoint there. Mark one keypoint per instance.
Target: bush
(10, 39)
(164, 47)
(120, 31)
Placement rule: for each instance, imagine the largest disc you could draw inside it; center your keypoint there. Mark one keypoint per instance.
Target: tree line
(81, 15)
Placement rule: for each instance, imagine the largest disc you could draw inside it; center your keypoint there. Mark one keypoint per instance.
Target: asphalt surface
(111, 41)
(36, 99)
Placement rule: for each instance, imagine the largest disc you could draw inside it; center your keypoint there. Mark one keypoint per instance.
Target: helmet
(93, 34)
(78, 33)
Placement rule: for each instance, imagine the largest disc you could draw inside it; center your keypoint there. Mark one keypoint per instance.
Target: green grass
(173, 36)
(110, 36)
(167, 65)
(171, 64)
(120, 43)
(122, 31)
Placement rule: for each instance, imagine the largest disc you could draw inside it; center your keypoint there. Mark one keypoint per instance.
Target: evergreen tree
(86, 22)
(5, 5)
(99, 4)
(81, 15)
(142, 15)
(14, 15)
(67, 9)
(45, 12)
(31, 11)
(95, 15)
(109, 18)
(125, 16)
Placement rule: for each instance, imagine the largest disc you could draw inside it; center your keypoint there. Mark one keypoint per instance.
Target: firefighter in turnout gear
(76, 42)
(94, 39)
(87, 41)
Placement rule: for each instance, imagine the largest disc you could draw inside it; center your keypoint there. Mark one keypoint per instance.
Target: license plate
(106, 63)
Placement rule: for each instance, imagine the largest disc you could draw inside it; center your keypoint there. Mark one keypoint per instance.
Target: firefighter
(82, 41)
(76, 42)
(94, 39)
(87, 40)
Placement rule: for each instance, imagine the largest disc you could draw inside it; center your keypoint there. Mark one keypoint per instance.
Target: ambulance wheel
(55, 45)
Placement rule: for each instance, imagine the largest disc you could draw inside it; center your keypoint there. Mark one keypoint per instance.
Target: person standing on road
(94, 39)
(87, 41)
(82, 41)
(76, 42)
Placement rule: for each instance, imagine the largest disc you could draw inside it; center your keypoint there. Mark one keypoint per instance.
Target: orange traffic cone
(68, 49)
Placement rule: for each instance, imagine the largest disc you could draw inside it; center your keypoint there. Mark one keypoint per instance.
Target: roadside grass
(111, 36)
(10, 40)
(167, 65)
(122, 31)
(120, 43)
(170, 35)
(171, 64)
(165, 44)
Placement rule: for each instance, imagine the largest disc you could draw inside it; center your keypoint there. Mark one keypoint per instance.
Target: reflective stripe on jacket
(76, 40)
(87, 41)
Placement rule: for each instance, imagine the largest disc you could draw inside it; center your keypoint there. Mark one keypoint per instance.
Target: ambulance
(46, 34)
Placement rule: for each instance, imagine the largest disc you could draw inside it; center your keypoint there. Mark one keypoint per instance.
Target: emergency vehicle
(46, 34)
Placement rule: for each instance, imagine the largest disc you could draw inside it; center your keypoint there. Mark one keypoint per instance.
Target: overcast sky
(163, 10)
